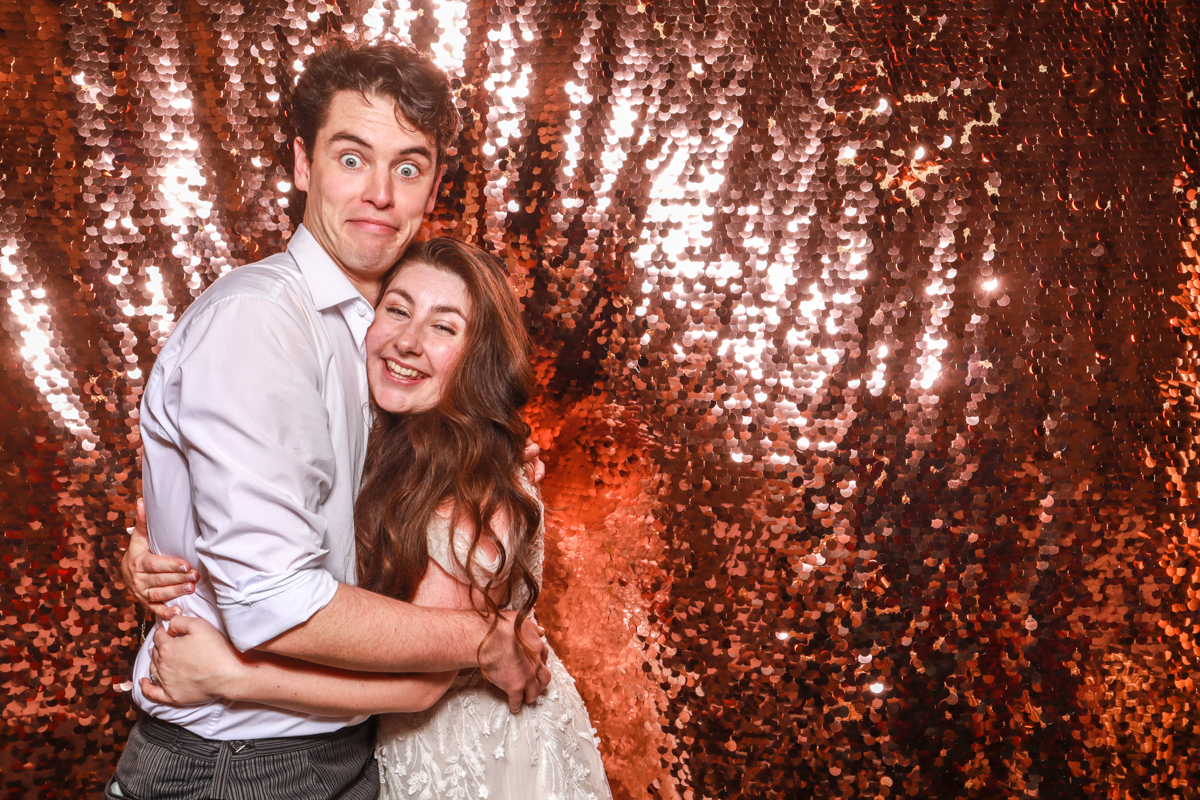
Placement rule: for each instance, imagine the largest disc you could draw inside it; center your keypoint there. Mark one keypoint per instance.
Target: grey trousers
(166, 762)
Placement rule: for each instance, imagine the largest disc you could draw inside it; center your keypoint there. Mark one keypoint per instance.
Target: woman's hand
(154, 580)
(193, 663)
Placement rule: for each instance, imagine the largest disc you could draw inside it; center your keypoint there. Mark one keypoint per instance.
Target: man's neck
(369, 290)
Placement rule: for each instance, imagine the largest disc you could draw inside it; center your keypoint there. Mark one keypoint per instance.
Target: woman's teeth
(403, 372)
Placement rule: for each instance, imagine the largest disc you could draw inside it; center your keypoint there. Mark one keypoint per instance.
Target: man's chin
(374, 261)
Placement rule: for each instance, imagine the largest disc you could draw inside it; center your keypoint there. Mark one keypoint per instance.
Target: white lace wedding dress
(470, 747)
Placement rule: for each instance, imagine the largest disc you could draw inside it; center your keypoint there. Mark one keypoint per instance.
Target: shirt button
(362, 309)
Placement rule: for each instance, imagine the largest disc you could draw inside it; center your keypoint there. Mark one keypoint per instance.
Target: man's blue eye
(351, 161)
(409, 171)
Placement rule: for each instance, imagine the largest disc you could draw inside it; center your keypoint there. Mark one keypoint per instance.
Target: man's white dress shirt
(254, 423)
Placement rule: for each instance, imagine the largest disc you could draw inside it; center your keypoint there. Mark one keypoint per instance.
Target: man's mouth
(400, 371)
(375, 224)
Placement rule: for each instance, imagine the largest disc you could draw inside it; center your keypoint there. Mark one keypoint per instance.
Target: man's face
(371, 180)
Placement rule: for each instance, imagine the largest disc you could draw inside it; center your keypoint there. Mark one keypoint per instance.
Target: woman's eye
(446, 329)
(397, 311)
(351, 161)
(409, 171)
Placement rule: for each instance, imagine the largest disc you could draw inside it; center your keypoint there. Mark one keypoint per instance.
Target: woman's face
(418, 334)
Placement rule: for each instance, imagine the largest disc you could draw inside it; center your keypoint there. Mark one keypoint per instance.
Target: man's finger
(543, 679)
(515, 699)
(532, 690)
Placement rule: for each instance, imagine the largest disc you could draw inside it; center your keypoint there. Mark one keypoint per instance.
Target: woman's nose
(408, 340)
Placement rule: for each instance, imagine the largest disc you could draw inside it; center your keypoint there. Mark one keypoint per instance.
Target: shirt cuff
(270, 604)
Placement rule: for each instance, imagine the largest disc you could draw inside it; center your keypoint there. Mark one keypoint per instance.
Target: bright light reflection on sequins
(572, 148)
(448, 49)
(40, 348)
(181, 185)
(508, 85)
(792, 276)
(673, 208)
(620, 133)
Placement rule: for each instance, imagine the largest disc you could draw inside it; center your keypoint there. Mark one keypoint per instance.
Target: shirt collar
(327, 283)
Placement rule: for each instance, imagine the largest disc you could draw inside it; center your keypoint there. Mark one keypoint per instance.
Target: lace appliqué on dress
(470, 746)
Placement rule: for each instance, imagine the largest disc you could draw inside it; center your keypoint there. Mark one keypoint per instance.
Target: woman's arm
(194, 663)
(155, 580)
(440, 589)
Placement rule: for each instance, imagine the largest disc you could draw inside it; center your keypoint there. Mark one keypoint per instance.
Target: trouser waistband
(180, 739)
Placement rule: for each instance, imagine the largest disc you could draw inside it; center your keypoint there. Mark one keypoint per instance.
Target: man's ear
(302, 164)
(433, 193)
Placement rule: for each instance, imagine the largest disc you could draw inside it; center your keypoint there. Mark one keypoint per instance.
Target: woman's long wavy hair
(468, 450)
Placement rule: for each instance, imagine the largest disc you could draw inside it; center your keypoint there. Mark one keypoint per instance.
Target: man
(254, 424)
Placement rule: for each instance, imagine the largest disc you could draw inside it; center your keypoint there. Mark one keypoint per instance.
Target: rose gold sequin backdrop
(866, 336)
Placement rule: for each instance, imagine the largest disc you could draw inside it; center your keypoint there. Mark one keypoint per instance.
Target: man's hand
(535, 470)
(154, 580)
(506, 665)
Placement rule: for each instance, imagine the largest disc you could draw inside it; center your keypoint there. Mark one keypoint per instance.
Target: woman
(445, 517)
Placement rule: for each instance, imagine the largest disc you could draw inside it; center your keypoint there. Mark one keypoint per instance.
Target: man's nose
(378, 189)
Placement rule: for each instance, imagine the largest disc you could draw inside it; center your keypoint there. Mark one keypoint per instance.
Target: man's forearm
(361, 630)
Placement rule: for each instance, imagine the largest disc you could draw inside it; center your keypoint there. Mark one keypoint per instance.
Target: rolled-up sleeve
(254, 430)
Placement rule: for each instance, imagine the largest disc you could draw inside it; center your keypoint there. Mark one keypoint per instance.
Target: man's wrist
(492, 652)
(472, 645)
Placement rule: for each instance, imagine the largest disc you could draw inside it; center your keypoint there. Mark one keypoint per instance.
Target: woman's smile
(419, 332)
(402, 372)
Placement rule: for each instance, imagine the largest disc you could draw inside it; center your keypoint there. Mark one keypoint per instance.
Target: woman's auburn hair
(467, 450)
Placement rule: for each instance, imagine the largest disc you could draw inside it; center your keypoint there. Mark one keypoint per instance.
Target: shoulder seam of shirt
(274, 296)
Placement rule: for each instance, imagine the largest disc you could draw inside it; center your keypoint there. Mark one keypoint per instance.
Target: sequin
(865, 341)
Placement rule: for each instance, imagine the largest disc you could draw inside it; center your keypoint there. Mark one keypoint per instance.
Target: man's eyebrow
(436, 309)
(350, 137)
(415, 150)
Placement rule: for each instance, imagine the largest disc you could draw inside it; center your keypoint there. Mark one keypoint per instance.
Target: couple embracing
(333, 438)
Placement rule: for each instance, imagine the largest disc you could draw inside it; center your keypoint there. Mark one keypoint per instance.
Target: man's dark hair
(419, 89)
